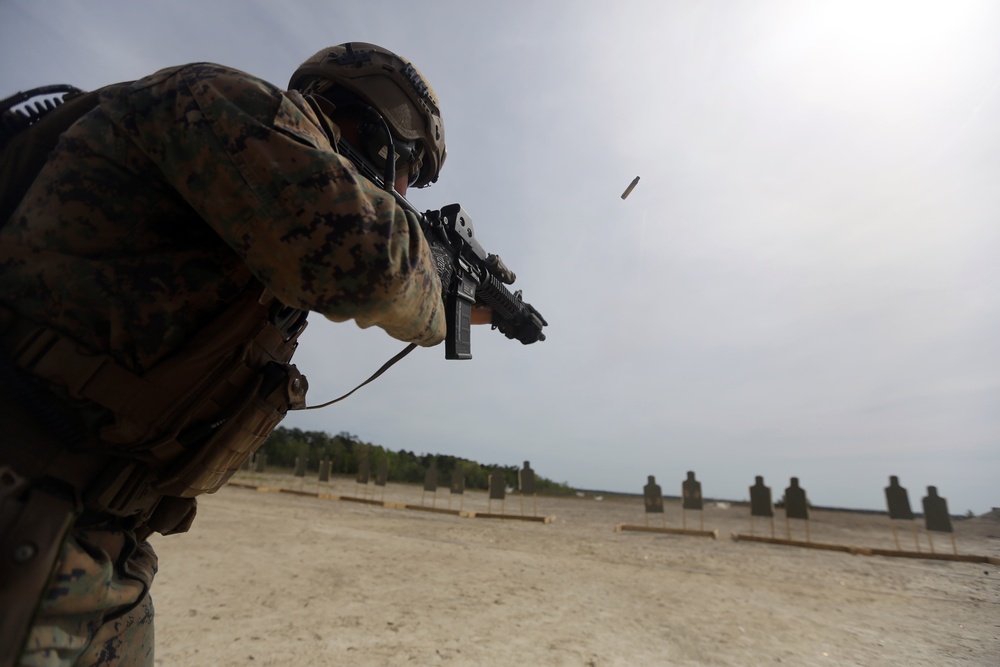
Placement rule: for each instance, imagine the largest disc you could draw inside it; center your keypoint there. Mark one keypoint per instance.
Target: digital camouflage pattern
(111, 245)
(154, 212)
(93, 614)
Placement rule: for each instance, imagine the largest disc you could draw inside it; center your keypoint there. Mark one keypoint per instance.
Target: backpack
(30, 126)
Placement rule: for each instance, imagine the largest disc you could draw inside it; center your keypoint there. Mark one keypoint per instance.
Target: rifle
(473, 275)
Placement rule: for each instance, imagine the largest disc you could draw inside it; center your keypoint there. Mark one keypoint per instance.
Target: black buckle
(289, 321)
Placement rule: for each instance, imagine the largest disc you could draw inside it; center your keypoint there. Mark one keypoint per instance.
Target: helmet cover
(391, 85)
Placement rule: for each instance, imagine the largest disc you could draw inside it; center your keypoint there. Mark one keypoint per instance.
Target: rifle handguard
(476, 276)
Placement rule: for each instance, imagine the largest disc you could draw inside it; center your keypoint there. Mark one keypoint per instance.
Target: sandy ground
(281, 579)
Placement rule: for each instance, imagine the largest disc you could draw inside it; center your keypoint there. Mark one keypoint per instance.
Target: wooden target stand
(367, 497)
(498, 491)
(653, 500)
(935, 510)
(796, 507)
(935, 513)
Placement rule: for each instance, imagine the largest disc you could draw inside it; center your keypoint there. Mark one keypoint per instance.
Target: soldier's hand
(482, 315)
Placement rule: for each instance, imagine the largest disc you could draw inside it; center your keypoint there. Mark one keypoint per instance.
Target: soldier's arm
(255, 167)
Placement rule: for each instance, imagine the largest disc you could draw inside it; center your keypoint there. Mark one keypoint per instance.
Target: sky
(803, 283)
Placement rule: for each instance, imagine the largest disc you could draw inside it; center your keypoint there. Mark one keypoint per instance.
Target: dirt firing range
(795, 504)
(303, 580)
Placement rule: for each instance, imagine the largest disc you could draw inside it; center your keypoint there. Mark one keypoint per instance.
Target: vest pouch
(172, 516)
(209, 466)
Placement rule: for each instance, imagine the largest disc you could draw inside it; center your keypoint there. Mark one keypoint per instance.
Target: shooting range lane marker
(867, 551)
(431, 508)
(622, 527)
(509, 517)
(737, 537)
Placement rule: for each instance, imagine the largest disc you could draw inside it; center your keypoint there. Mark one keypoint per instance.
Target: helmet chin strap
(368, 130)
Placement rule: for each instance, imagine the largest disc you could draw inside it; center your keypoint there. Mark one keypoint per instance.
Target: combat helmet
(393, 87)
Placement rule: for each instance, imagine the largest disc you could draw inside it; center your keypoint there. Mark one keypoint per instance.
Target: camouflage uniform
(98, 610)
(153, 214)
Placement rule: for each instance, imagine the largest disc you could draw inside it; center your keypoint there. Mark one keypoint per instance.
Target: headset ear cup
(372, 138)
(370, 129)
(368, 125)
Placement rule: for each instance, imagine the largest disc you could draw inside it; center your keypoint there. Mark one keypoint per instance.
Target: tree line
(347, 452)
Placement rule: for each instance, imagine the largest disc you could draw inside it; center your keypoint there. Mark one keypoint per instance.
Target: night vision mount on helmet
(394, 88)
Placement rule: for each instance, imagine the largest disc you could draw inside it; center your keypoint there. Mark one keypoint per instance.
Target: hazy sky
(804, 282)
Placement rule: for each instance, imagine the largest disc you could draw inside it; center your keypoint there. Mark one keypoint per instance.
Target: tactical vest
(177, 430)
(153, 440)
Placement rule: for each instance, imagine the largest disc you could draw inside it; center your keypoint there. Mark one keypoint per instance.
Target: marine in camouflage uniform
(156, 211)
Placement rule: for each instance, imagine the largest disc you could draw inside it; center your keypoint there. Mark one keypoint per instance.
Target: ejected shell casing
(630, 187)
